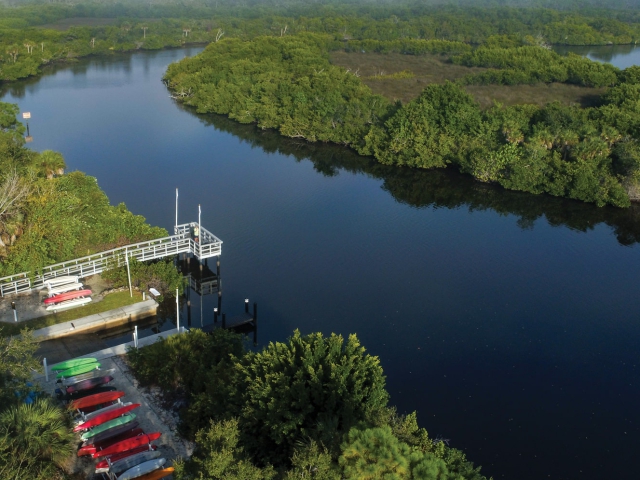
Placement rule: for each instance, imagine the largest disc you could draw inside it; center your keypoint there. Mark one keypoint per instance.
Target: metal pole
(176, 209)
(199, 232)
(177, 311)
(136, 334)
(46, 370)
(126, 257)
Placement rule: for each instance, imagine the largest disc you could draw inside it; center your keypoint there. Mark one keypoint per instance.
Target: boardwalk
(181, 242)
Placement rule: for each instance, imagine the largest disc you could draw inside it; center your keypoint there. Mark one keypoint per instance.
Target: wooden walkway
(181, 242)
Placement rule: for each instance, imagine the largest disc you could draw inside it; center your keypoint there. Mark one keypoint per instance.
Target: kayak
(67, 287)
(75, 302)
(105, 417)
(95, 399)
(62, 280)
(158, 474)
(95, 413)
(128, 444)
(128, 435)
(103, 465)
(85, 376)
(111, 433)
(74, 362)
(116, 422)
(78, 369)
(89, 384)
(61, 297)
(142, 469)
(129, 462)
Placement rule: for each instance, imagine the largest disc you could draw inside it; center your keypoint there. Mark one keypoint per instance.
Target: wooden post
(224, 320)
(255, 323)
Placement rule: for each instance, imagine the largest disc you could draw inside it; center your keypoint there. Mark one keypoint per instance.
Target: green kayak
(77, 370)
(73, 363)
(126, 418)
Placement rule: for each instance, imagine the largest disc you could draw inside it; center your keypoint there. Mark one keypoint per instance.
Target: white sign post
(26, 115)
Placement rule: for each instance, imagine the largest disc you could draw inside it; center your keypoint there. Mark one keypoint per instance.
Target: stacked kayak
(65, 292)
(107, 425)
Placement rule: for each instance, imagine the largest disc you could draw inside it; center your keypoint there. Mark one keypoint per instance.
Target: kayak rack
(205, 245)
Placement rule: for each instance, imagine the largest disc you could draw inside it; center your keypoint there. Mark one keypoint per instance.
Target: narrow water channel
(508, 321)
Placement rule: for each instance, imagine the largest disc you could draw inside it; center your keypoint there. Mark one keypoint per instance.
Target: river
(508, 321)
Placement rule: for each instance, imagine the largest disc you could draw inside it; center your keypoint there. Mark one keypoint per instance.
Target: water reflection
(621, 56)
(441, 188)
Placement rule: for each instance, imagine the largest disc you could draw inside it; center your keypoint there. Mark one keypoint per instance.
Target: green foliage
(312, 461)
(196, 364)
(427, 132)
(376, 453)
(218, 456)
(161, 275)
(17, 362)
(534, 64)
(34, 440)
(285, 83)
(310, 387)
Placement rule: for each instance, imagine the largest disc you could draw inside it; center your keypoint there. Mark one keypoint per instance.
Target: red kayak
(88, 384)
(105, 417)
(61, 297)
(91, 449)
(103, 466)
(128, 444)
(95, 399)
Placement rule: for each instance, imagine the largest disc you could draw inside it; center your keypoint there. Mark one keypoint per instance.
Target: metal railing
(182, 242)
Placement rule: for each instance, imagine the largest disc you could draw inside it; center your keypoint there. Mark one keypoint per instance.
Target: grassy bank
(109, 302)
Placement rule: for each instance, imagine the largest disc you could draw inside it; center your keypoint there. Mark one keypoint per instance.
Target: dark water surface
(508, 321)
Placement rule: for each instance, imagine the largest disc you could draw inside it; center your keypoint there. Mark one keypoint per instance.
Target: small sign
(26, 115)
(28, 139)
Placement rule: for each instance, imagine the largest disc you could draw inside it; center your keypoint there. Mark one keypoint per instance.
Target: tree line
(25, 47)
(310, 407)
(287, 84)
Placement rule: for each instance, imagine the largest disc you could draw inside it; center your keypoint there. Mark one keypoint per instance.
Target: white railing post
(46, 370)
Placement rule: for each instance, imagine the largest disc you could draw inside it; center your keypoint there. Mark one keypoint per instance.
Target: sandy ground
(151, 416)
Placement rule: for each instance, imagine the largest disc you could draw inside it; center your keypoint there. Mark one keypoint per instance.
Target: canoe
(85, 376)
(105, 417)
(89, 384)
(76, 302)
(96, 399)
(142, 469)
(103, 465)
(91, 449)
(158, 474)
(129, 462)
(128, 444)
(102, 410)
(78, 369)
(61, 297)
(115, 431)
(62, 280)
(67, 287)
(116, 422)
(74, 362)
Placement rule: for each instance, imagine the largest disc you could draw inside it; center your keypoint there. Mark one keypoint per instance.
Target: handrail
(208, 246)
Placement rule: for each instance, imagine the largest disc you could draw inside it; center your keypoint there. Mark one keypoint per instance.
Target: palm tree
(34, 439)
(51, 163)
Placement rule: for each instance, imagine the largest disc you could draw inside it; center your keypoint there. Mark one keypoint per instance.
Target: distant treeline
(287, 84)
(25, 47)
